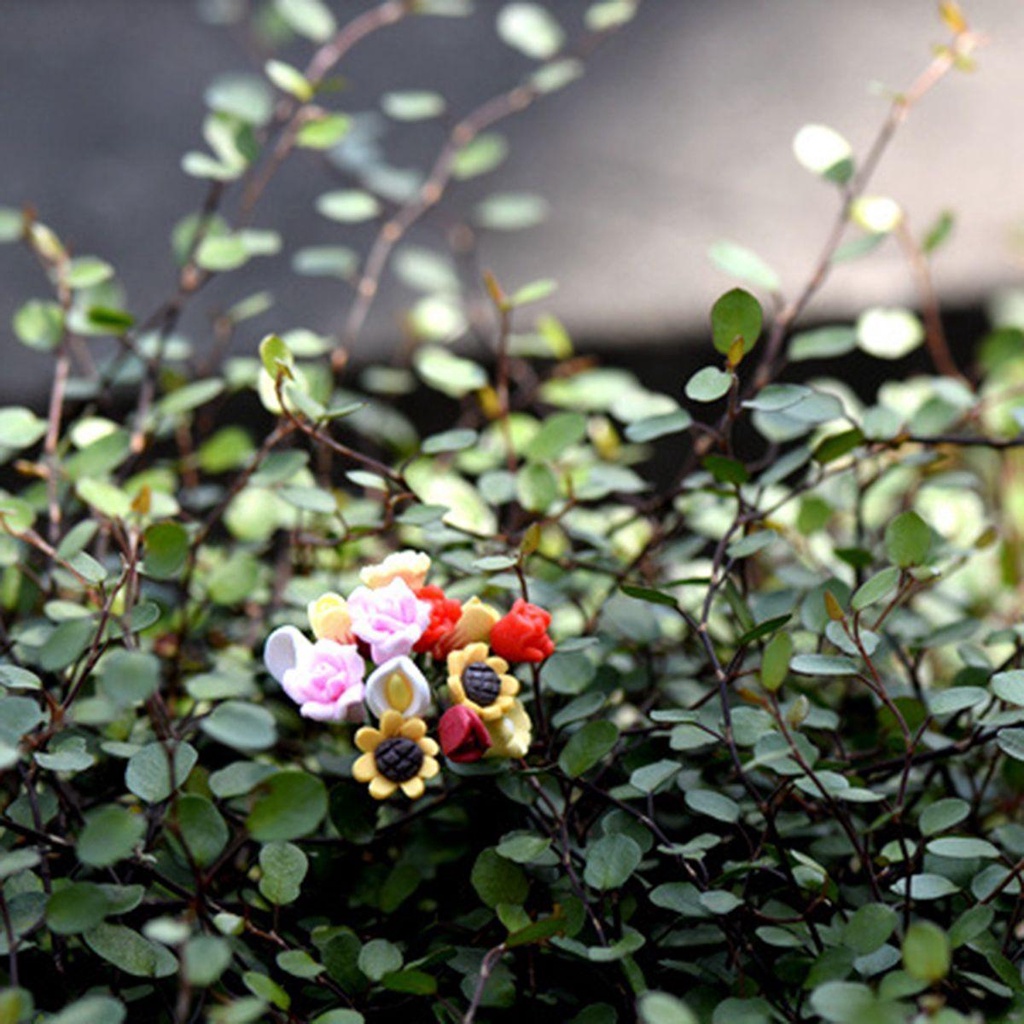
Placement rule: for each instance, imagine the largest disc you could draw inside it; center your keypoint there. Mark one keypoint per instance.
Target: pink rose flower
(390, 619)
(325, 679)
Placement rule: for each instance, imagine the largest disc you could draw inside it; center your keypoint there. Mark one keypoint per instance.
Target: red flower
(464, 737)
(444, 614)
(522, 635)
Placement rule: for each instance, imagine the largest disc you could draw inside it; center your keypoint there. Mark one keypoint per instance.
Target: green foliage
(775, 768)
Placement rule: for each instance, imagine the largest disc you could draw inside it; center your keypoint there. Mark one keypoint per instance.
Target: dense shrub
(772, 768)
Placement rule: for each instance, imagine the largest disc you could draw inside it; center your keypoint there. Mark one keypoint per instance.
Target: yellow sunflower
(398, 755)
(481, 681)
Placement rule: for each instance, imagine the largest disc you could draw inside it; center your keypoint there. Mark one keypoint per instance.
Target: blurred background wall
(679, 135)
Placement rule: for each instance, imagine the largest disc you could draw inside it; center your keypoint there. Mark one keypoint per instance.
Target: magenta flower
(325, 679)
(390, 619)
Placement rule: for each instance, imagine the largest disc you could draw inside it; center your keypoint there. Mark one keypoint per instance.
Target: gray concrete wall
(678, 136)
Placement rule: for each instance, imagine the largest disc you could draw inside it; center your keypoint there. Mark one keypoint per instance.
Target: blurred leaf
(289, 805)
(586, 747)
(708, 385)
(823, 151)
(310, 18)
(111, 833)
(148, 773)
(611, 861)
(889, 333)
(531, 29)
(283, 867)
(926, 953)
(511, 211)
(908, 539)
(497, 880)
(348, 206)
(746, 265)
(412, 105)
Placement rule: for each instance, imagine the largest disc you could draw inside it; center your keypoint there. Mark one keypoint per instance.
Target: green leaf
(938, 232)
(926, 952)
(412, 105)
(20, 427)
(649, 777)
(889, 333)
(610, 861)
(1009, 686)
(511, 211)
(736, 316)
(775, 661)
(289, 80)
(241, 725)
(726, 470)
(91, 1010)
(220, 253)
(714, 805)
(652, 427)
(843, 1002)
(284, 867)
(908, 539)
(823, 665)
(823, 151)
(449, 441)
(310, 18)
(348, 206)
(128, 678)
(77, 907)
(746, 265)
(557, 433)
(523, 847)
(416, 983)
(106, 498)
(586, 747)
(531, 29)
(323, 132)
(446, 372)
(39, 325)
(662, 1008)
(341, 1016)
(206, 958)
(88, 272)
(497, 880)
(166, 547)
(963, 847)
(943, 815)
(203, 830)
(298, 963)
(537, 487)
(835, 446)
(877, 588)
(16, 861)
(486, 152)
(12, 225)
(379, 957)
(822, 343)
(869, 928)
(148, 774)
(708, 384)
(291, 804)
(326, 261)
(69, 755)
(128, 951)
(650, 595)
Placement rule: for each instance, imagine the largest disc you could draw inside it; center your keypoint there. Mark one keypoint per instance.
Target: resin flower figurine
(325, 679)
(510, 734)
(481, 682)
(474, 626)
(390, 619)
(398, 685)
(445, 613)
(398, 755)
(329, 618)
(410, 566)
(463, 735)
(522, 635)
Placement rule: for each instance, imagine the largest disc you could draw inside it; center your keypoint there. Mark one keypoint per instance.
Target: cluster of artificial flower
(388, 621)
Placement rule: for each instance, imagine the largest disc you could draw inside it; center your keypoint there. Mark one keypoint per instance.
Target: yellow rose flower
(474, 625)
(329, 619)
(398, 755)
(411, 566)
(511, 734)
(481, 682)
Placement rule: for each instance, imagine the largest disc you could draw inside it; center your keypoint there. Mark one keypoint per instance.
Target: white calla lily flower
(398, 685)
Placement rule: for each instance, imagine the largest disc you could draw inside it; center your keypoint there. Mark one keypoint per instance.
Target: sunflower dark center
(481, 683)
(398, 759)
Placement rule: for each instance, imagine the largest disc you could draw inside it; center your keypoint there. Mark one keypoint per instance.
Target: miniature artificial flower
(411, 566)
(325, 679)
(398, 755)
(463, 734)
(390, 619)
(481, 681)
(474, 626)
(329, 619)
(510, 734)
(522, 634)
(445, 613)
(398, 685)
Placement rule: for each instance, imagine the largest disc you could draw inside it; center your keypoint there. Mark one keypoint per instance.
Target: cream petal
(283, 650)
(429, 768)
(379, 694)
(365, 768)
(381, 788)
(413, 788)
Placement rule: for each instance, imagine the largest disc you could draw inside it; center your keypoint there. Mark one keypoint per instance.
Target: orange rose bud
(522, 635)
(463, 735)
(445, 613)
